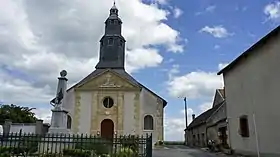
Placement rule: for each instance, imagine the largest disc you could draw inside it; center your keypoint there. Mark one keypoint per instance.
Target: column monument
(59, 115)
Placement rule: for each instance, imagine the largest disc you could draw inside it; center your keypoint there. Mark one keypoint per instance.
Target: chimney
(193, 116)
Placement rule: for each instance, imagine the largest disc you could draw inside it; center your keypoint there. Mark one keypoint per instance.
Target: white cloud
(217, 46)
(210, 8)
(164, 2)
(272, 11)
(205, 106)
(177, 12)
(39, 39)
(44, 114)
(141, 58)
(222, 65)
(194, 85)
(175, 126)
(216, 31)
(173, 71)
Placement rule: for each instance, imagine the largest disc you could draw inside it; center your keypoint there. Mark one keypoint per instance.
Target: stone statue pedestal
(59, 121)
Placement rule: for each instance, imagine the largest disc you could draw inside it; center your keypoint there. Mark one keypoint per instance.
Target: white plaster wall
(252, 87)
(15, 128)
(69, 103)
(1, 129)
(148, 104)
(85, 112)
(129, 121)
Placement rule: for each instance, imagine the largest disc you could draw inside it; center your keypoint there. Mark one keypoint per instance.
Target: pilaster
(77, 111)
(120, 117)
(97, 116)
(137, 112)
(159, 120)
(94, 122)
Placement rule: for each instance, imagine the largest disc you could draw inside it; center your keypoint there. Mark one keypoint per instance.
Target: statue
(62, 80)
(59, 115)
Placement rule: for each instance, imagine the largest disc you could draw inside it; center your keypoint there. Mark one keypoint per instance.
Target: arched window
(69, 122)
(148, 122)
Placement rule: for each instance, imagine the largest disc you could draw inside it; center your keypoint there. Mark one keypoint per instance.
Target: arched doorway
(107, 128)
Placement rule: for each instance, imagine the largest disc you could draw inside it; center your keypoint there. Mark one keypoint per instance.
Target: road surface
(183, 151)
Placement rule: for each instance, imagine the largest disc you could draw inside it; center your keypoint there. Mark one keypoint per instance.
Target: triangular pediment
(109, 80)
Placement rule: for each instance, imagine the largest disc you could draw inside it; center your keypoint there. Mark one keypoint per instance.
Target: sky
(174, 47)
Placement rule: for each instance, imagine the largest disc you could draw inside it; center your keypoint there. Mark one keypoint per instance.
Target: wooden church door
(107, 128)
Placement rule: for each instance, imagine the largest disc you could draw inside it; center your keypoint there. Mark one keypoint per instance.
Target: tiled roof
(203, 117)
(250, 51)
(122, 73)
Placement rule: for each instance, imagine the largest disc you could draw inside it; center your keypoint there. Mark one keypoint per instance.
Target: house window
(244, 126)
(108, 102)
(148, 122)
(110, 41)
(69, 122)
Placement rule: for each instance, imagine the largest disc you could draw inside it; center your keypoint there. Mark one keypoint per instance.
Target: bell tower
(112, 44)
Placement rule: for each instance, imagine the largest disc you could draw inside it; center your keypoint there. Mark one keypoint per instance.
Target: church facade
(110, 101)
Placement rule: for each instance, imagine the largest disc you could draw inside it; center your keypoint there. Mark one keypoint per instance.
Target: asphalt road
(183, 151)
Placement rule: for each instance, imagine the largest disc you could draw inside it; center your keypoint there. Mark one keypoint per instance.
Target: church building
(110, 101)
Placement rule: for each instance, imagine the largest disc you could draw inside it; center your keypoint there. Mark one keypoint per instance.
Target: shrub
(78, 153)
(126, 152)
(98, 145)
(130, 142)
(51, 155)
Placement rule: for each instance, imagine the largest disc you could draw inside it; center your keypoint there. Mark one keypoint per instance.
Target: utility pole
(186, 111)
(186, 118)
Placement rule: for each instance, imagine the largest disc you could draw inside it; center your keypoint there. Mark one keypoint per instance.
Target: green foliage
(28, 145)
(16, 114)
(78, 153)
(51, 155)
(99, 145)
(159, 143)
(4, 155)
(126, 152)
(131, 142)
(25, 146)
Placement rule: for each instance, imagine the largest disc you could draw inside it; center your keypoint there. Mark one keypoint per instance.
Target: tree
(17, 114)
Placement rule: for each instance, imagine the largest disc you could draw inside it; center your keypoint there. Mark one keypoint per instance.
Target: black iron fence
(66, 145)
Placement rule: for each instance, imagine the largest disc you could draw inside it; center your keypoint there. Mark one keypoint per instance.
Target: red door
(107, 128)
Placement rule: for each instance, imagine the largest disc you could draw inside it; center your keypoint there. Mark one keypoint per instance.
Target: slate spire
(112, 44)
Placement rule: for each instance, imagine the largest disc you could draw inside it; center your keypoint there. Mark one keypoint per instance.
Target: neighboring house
(109, 100)
(197, 130)
(26, 128)
(252, 96)
(216, 124)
